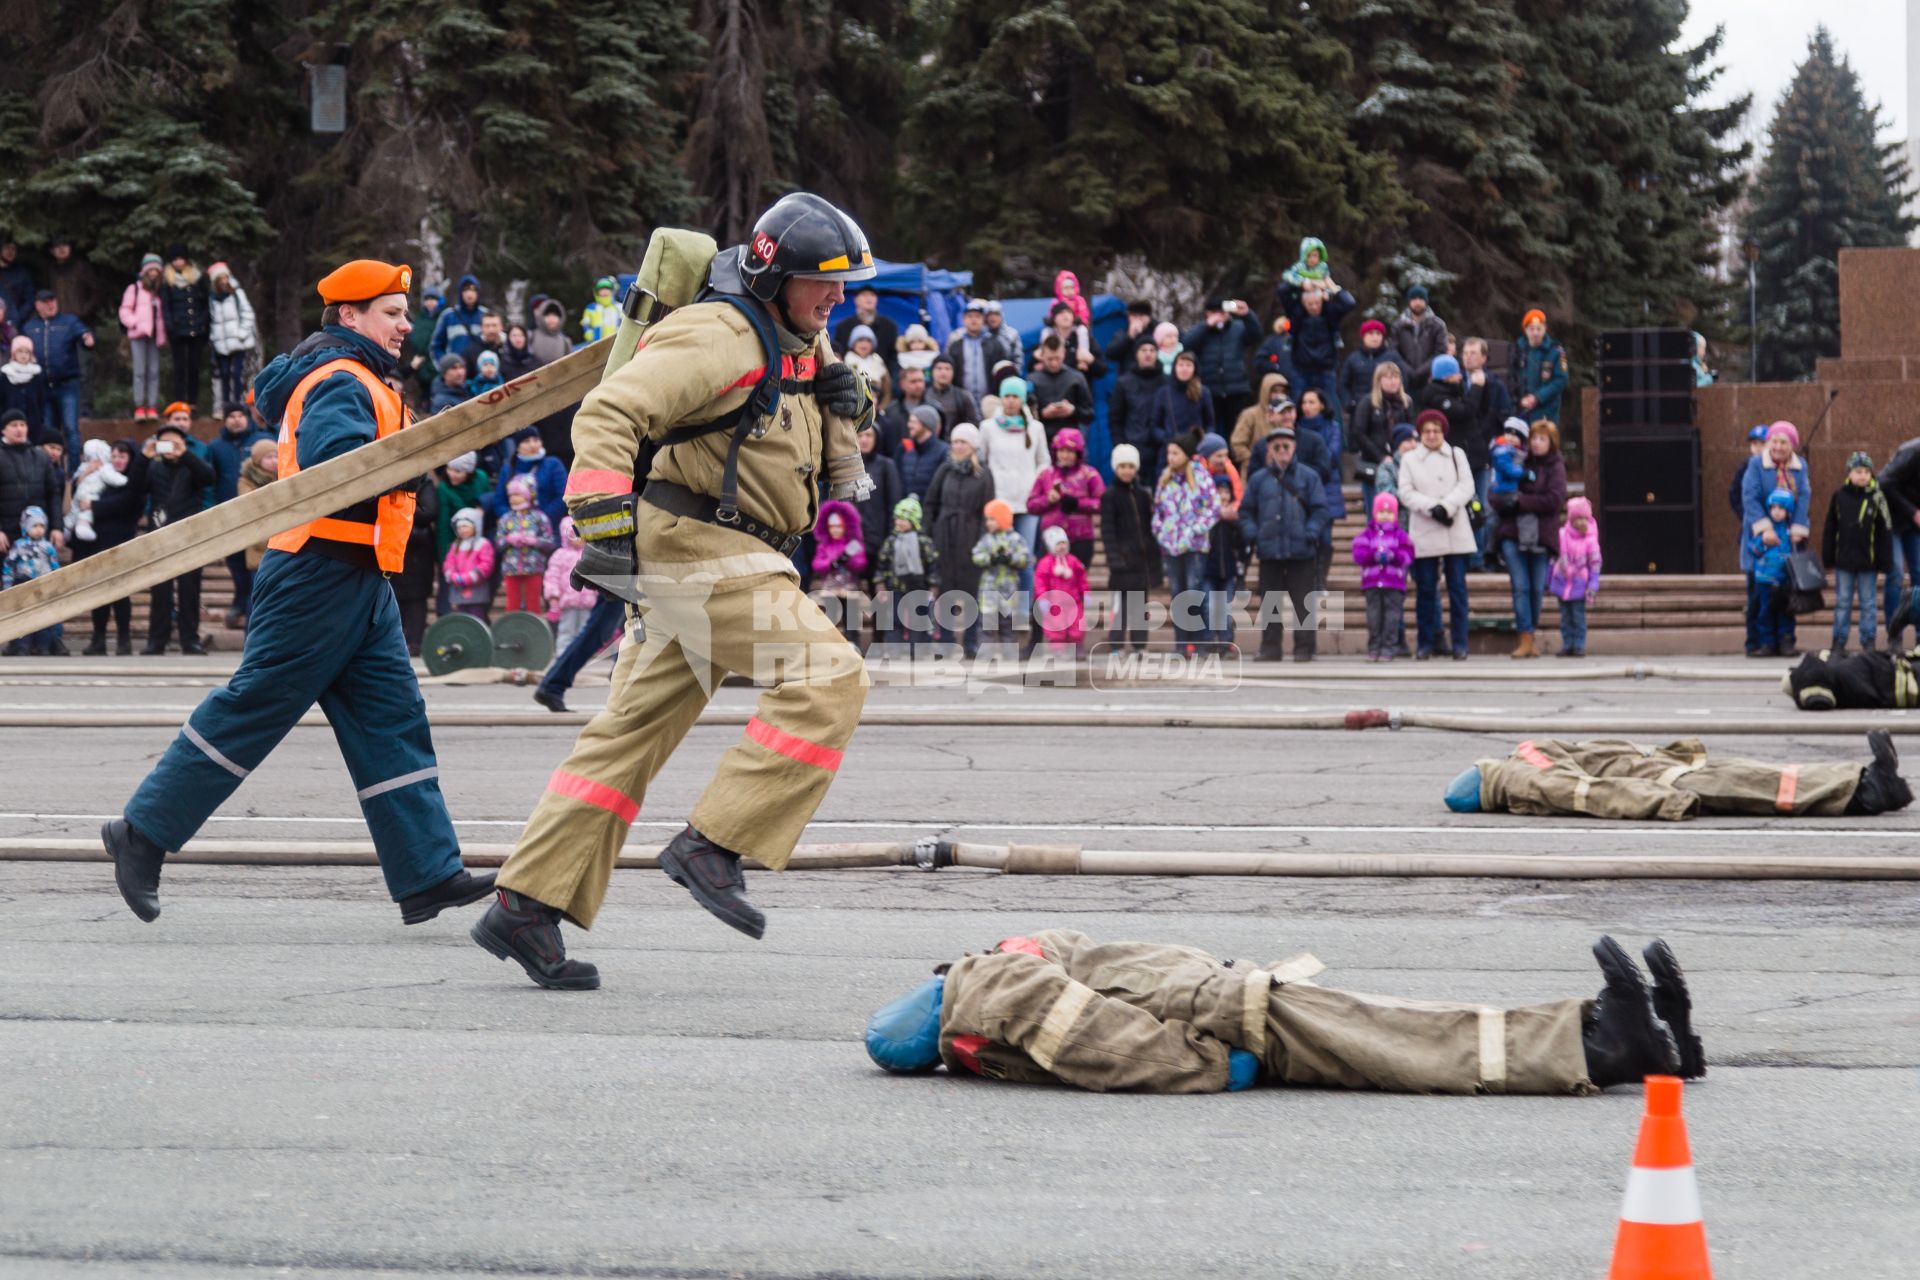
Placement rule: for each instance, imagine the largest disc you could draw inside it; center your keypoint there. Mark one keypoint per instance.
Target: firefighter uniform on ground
(1619, 779)
(324, 627)
(1057, 1007)
(719, 594)
(1860, 681)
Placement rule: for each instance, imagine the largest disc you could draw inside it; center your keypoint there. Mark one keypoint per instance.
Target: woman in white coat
(1436, 487)
(234, 336)
(1013, 444)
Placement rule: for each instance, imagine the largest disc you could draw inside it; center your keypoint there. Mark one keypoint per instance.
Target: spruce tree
(1436, 87)
(1640, 170)
(1827, 183)
(1202, 136)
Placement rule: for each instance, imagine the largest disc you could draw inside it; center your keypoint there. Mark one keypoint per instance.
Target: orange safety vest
(393, 516)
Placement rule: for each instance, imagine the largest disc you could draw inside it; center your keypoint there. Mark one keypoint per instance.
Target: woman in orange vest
(324, 628)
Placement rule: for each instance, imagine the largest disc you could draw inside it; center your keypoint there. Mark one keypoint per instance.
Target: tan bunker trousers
(769, 782)
(1060, 1007)
(1612, 778)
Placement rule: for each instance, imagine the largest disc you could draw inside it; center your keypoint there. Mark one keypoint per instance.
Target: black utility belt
(678, 500)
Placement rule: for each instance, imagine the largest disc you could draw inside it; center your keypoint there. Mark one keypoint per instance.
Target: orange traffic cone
(1661, 1234)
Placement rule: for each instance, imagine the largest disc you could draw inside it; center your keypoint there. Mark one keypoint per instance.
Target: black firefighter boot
(518, 928)
(1881, 789)
(136, 867)
(713, 876)
(1674, 1003)
(457, 890)
(1625, 1040)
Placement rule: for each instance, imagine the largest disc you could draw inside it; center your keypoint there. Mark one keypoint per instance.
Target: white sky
(1766, 40)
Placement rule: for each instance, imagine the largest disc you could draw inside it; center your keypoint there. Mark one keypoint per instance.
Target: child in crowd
(1403, 441)
(1066, 290)
(839, 564)
(1166, 343)
(915, 349)
(1067, 494)
(525, 538)
(1001, 554)
(1384, 552)
(468, 566)
(465, 486)
(1060, 592)
(1772, 579)
(602, 315)
(1859, 546)
(567, 605)
(97, 474)
(1509, 460)
(31, 556)
(1224, 567)
(1186, 508)
(904, 567)
(486, 373)
(863, 355)
(1133, 553)
(1575, 576)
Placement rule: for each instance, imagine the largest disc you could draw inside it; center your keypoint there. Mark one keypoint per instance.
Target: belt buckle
(726, 515)
(789, 544)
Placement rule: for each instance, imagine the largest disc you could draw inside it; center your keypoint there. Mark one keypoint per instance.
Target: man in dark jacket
(1220, 345)
(1283, 516)
(893, 422)
(27, 479)
(1130, 407)
(1316, 318)
(1140, 324)
(1418, 335)
(923, 452)
(58, 340)
(1356, 371)
(16, 282)
(459, 322)
(954, 404)
(185, 302)
(1061, 397)
(75, 283)
(175, 478)
(974, 352)
(228, 453)
(1496, 405)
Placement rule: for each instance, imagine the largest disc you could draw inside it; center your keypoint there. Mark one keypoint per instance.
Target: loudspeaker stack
(1649, 456)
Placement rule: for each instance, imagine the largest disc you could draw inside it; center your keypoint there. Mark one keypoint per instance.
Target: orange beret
(365, 278)
(178, 406)
(1531, 316)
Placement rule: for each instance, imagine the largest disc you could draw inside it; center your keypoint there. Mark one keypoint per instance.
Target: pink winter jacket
(1060, 592)
(557, 588)
(141, 314)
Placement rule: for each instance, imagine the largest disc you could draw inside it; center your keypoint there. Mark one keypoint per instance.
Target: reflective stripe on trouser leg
(772, 780)
(567, 851)
(379, 720)
(1324, 1036)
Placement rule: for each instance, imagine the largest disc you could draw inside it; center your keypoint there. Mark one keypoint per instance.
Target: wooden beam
(254, 517)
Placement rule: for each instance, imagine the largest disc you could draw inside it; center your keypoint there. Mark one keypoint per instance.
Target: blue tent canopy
(914, 293)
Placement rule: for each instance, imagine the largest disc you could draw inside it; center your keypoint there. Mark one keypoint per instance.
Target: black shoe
(59, 650)
(1624, 1039)
(551, 701)
(518, 928)
(193, 649)
(1674, 1005)
(1424, 655)
(152, 650)
(13, 650)
(1459, 655)
(1839, 650)
(1881, 789)
(457, 890)
(713, 876)
(136, 867)
(1760, 651)
(98, 649)
(1786, 649)
(123, 647)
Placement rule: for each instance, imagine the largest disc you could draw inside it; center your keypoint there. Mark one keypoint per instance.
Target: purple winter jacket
(1079, 504)
(1368, 547)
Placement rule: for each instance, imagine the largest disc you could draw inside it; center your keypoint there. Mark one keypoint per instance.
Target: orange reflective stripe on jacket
(393, 516)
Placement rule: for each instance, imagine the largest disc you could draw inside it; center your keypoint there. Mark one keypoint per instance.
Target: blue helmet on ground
(904, 1036)
(1463, 793)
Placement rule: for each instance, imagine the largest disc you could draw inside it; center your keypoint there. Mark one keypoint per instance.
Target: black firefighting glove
(606, 527)
(842, 392)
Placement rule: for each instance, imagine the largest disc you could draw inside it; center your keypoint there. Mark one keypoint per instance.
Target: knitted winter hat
(452, 360)
(486, 358)
(1859, 458)
(1431, 415)
(150, 260)
(1515, 427)
(469, 515)
(1780, 498)
(1015, 388)
(1054, 537)
(908, 509)
(965, 433)
(1444, 367)
(999, 513)
(1401, 432)
(1372, 326)
(1125, 455)
(1188, 441)
(1210, 444)
(468, 462)
(862, 331)
(1417, 291)
(520, 485)
(30, 517)
(928, 417)
(1787, 429)
(1386, 508)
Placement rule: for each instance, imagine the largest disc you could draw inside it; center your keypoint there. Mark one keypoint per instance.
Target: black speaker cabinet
(1639, 346)
(1655, 377)
(1647, 413)
(1650, 504)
